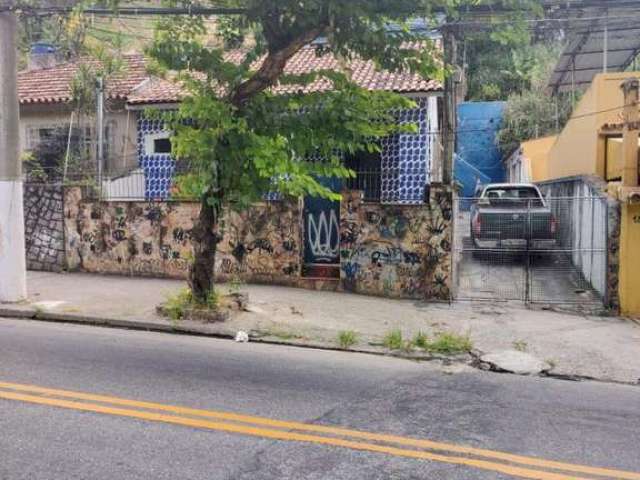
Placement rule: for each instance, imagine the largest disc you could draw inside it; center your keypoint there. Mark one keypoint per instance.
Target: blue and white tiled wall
(158, 168)
(405, 168)
(407, 158)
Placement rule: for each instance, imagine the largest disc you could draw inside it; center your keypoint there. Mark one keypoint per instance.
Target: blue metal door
(322, 233)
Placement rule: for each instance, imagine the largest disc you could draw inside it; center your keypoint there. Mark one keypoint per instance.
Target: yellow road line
(419, 443)
(289, 436)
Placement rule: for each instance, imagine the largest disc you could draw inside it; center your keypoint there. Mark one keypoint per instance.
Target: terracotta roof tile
(156, 90)
(52, 85)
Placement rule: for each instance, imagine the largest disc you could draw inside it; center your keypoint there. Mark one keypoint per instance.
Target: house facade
(583, 145)
(47, 107)
(390, 235)
(529, 163)
(587, 160)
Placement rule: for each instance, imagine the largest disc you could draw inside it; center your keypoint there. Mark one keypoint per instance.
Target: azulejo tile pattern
(158, 168)
(406, 158)
(405, 165)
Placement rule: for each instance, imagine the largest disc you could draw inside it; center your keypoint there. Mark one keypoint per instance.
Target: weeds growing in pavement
(347, 338)
(393, 340)
(420, 340)
(177, 304)
(450, 343)
(520, 345)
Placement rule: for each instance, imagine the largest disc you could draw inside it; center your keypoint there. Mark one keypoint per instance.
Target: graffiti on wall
(154, 239)
(261, 243)
(323, 236)
(135, 238)
(396, 251)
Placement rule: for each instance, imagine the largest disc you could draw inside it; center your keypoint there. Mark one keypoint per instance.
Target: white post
(100, 127)
(13, 275)
(66, 157)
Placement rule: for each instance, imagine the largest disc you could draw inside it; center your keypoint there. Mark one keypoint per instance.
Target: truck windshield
(513, 197)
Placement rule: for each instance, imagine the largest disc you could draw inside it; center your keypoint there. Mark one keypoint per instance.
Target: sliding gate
(502, 260)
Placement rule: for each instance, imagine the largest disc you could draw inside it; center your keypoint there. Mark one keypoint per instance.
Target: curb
(471, 359)
(83, 319)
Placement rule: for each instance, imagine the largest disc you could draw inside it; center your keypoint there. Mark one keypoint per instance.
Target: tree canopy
(243, 139)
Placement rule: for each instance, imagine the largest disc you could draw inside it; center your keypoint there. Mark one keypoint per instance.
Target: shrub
(177, 303)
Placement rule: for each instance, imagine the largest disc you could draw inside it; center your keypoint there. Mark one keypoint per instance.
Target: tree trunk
(205, 235)
(205, 240)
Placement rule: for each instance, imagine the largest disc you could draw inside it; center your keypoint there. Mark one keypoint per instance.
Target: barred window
(367, 179)
(37, 134)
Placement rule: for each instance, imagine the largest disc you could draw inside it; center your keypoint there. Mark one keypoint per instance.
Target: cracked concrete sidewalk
(605, 348)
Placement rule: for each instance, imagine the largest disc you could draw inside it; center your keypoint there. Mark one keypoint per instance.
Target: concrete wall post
(12, 248)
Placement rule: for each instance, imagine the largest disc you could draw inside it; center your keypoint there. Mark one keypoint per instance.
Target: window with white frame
(157, 143)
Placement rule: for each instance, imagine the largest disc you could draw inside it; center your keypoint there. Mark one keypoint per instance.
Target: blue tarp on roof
(478, 159)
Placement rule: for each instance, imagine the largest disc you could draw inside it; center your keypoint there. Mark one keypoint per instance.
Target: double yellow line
(506, 463)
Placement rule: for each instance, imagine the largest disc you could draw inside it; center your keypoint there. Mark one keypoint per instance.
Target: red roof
(156, 90)
(51, 85)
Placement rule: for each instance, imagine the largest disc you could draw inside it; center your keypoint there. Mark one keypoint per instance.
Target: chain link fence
(549, 251)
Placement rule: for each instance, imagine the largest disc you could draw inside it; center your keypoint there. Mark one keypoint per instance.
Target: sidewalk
(606, 348)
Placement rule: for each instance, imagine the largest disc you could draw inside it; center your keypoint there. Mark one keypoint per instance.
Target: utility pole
(100, 128)
(13, 284)
(450, 104)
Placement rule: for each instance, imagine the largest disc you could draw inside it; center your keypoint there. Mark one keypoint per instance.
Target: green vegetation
(236, 283)
(520, 345)
(347, 338)
(420, 340)
(249, 141)
(449, 343)
(283, 335)
(179, 303)
(446, 343)
(393, 340)
(530, 111)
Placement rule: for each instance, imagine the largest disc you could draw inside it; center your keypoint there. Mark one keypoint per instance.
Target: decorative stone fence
(401, 251)
(44, 228)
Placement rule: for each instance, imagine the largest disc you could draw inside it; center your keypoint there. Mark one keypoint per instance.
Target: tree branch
(273, 66)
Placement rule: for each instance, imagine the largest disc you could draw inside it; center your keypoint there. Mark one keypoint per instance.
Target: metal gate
(553, 252)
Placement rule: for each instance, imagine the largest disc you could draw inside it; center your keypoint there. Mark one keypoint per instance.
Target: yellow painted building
(629, 274)
(530, 162)
(581, 147)
(590, 144)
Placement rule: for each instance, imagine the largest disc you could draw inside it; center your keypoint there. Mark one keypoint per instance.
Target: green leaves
(268, 142)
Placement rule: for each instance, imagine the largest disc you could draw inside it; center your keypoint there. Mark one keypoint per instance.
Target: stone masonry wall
(397, 251)
(262, 244)
(132, 238)
(44, 228)
(153, 239)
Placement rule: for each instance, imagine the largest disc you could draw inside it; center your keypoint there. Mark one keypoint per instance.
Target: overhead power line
(137, 11)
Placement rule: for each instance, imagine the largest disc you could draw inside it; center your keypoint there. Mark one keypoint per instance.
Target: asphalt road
(42, 437)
